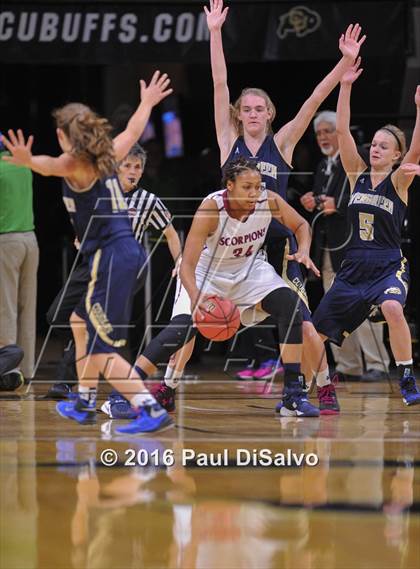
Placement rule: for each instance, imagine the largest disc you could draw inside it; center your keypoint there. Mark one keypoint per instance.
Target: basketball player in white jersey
(223, 257)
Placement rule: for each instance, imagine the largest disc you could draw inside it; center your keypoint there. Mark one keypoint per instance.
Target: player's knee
(179, 331)
(393, 312)
(309, 332)
(283, 305)
(76, 320)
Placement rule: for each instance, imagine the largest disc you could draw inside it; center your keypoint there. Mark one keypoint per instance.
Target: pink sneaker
(268, 369)
(244, 374)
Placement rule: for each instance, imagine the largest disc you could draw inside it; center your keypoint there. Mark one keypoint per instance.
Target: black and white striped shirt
(145, 210)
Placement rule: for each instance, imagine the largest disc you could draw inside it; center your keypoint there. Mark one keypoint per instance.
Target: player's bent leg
(283, 305)
(400, 340)
(399, 332)
(171, 339)
(82, 408)
(314, 346)
(165, 392)
(104, 360)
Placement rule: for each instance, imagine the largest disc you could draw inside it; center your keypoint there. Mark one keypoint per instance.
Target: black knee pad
(283, 305)
(178, 332)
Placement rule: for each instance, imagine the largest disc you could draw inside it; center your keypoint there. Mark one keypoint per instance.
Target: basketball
(221, 319)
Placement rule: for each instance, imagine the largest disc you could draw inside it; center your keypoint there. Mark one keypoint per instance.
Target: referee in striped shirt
(146, 211)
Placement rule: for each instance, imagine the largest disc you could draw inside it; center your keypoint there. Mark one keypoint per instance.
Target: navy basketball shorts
(363, 282)
(277, 247)
(293, 275)
(106, 308)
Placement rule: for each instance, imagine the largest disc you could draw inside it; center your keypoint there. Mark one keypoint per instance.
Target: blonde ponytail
(89, 136)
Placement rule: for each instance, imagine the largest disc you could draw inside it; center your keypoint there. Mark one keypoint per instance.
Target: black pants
(10, 358)
(58, 316)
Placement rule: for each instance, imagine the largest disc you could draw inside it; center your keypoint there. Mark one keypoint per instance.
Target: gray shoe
(340, 377)
(374, 375)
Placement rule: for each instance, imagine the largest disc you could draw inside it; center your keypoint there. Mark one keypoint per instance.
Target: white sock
(88, 395)
(142, 399)
(172, 377)
(407, 363)
(323, 378)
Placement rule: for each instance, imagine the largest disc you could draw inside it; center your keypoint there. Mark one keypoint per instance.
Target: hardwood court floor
(357, 508)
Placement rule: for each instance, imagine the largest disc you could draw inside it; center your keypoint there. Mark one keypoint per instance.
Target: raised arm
(290, 134)
(21, 155)
(403, 177)
(204, 224)
(150, 96)
(225, 130)
(353, 163)
(286, 215)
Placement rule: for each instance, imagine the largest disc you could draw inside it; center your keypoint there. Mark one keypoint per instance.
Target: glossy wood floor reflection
(359, 507)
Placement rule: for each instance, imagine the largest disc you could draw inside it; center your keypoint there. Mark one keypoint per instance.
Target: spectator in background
(331, 231)
(19, 256)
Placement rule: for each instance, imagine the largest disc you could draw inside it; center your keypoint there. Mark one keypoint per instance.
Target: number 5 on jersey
(366, 221)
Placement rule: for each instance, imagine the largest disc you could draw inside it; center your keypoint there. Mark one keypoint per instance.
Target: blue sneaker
(295, 402)
(117, 407)
(409, 390)
(150, 418)
(297, 384)
(77, 410)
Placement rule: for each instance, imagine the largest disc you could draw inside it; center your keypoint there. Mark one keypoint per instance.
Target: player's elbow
(302, 228)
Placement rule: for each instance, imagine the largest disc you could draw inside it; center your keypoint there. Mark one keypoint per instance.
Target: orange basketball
(221, 319)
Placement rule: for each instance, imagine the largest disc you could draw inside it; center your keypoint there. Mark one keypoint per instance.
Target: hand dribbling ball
(220, 321)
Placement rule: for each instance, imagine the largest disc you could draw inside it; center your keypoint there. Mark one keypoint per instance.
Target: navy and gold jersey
(271, 164)
(376, 215)
(274, 172)
(98, 213)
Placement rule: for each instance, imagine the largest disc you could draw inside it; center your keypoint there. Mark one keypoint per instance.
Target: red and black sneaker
(328, 402)
(165, 396)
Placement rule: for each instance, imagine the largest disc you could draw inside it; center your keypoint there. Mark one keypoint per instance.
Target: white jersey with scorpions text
(232, 264)
(232, 248)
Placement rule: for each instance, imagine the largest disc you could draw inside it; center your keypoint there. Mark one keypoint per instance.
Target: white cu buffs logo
(299, 21)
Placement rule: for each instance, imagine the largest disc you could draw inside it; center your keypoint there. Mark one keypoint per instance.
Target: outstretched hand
(410, 169)
(156, 90)
(305, 260)
(350, 42)
(216, 16)
(20, 150)
(352, 73)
